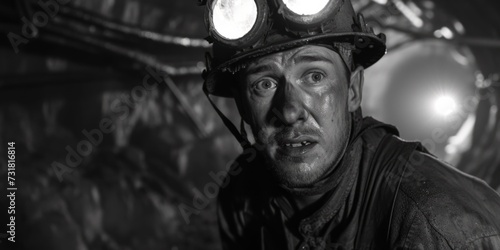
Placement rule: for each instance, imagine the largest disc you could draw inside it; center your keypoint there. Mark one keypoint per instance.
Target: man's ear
(356, 89)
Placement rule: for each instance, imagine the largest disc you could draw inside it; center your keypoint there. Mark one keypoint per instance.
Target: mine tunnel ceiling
(170, 34)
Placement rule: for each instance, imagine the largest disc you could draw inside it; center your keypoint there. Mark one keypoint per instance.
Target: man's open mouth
(296, 145)
(295, 151)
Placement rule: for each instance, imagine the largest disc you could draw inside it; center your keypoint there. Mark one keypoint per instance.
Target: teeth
(296, 145)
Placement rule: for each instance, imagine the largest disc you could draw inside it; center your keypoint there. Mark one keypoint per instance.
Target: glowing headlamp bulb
(233, 19)
(306, 7)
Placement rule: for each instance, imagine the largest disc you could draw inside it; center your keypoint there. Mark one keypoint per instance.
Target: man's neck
(303, 203)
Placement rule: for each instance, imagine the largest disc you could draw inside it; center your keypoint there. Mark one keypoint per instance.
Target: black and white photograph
(249, 125)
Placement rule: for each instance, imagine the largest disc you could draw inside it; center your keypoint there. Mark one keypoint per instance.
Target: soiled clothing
(395, 196)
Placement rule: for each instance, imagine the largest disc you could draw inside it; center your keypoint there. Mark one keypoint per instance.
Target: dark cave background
(89, 63)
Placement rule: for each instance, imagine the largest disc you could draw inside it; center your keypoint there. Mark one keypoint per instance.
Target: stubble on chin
(292, 172)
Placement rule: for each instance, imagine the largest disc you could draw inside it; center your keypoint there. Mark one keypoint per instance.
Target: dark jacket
(397, 197)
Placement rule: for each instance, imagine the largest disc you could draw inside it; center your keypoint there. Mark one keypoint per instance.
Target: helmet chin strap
(240, 136)
(242, 130)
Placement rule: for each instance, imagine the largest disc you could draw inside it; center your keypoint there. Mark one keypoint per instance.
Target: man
(319, 176)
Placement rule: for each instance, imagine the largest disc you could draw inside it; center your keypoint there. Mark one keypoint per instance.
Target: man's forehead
(306, 53)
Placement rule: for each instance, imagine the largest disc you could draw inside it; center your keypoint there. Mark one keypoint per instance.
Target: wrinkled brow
(311, 58)
(259, 68)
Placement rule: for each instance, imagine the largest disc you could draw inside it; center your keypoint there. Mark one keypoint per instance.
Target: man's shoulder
(424, 178)
(450, 206)
(244, 179)
(432, 183)
(433, 203)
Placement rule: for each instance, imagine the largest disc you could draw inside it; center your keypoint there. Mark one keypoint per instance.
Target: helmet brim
(368, 49)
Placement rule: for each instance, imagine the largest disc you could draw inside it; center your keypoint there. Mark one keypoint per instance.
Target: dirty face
(297, 103)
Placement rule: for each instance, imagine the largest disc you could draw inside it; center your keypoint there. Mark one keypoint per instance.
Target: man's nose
(291, 104)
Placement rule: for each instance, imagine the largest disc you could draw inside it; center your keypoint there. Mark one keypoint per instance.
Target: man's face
(297, 103)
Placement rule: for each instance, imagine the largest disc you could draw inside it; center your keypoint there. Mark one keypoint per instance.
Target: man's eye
(265, 85)
(314, 77)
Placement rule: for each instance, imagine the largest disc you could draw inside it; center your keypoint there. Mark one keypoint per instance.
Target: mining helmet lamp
(305, 14)
(237, 23)
(244, 29)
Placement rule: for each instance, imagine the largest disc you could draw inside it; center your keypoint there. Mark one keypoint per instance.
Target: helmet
(244, 29)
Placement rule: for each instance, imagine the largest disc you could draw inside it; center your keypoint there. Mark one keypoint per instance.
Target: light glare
(409, 14)
(382, 2)
(445, 105)
(233, 19)
(306, 7)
